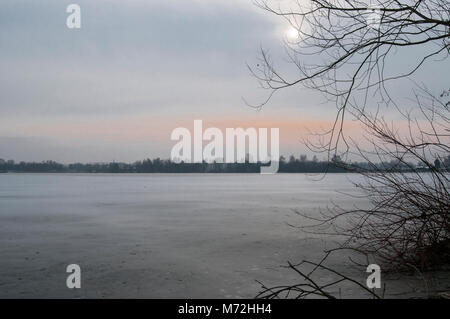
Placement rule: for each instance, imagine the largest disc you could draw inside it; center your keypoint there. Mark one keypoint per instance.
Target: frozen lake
(158, 235)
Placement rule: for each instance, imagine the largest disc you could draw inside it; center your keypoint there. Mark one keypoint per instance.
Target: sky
(116, 88)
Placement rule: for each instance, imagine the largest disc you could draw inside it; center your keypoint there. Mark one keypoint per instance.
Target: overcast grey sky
(115, 89)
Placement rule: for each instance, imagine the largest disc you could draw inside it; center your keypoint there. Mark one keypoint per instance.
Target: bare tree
(343, 49)
(407, 222)
(312, 286)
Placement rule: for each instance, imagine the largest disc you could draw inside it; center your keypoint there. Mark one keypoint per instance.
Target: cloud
(137, 59)
(131, 56)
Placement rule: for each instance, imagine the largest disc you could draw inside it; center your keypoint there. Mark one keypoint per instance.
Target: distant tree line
(157, 165)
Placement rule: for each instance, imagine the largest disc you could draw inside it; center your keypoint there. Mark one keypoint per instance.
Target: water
(158, 235)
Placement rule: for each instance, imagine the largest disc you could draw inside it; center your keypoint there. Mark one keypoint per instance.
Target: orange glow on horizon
(157, 129)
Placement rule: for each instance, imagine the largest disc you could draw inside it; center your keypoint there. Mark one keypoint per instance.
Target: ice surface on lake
(158, 235)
